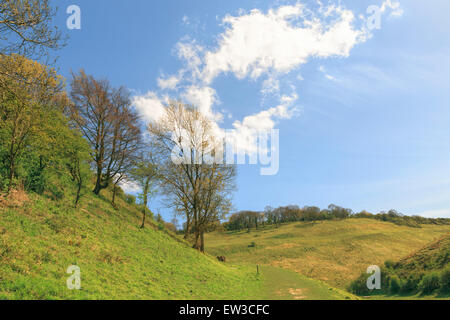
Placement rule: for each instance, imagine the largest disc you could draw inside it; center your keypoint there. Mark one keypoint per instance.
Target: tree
(26, 28)
(105, 117)
(193, 176)
(145, 173)
(77, 161)
(30, 94)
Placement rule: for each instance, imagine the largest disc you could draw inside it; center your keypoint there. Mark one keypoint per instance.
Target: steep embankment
(41, 238)
(332, 251)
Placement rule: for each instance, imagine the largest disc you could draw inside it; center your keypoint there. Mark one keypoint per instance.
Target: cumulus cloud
(280, 41)
(168, 83)
(246, 131)
(255, 44)
(203, 98)
(150, 106)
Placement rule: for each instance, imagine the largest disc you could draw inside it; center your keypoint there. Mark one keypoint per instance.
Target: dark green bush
(429, 283)
(130, 199)
(444, 280)
(394, 284)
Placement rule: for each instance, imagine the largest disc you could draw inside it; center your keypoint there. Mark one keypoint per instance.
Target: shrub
(444, 280)
(130, 199)
(429, 283)
(394, 285)
(359, 286)
(410, 285)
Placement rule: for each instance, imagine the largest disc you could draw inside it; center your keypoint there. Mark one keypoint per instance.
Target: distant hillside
(336, 252)
(434, 256)
(41, 238)
(424, 272)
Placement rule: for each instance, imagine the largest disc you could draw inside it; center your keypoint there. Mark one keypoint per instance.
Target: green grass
(42, 238)
(335, 252)
(283, 284)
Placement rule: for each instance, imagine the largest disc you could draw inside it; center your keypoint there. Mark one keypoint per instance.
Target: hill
(433, 257)
(336, 252)
(40, 238)
(422, 274)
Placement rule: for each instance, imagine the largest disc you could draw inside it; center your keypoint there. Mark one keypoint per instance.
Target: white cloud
(130, 187)
(328, 76)
(168, 83)
(254, 44)
(280, 41)
(203, 98)
(397, 10)
(149, 106)
(246, 131)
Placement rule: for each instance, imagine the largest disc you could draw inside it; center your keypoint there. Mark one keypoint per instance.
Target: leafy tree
(145, 173)
(30, 96)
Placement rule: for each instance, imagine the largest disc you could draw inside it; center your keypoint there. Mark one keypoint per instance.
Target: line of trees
(270, 216)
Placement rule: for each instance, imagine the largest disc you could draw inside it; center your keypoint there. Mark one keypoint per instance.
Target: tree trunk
(196, 238)
(145, 200)
(202, 241)
(143, 218)
(188, 227)
(98, 186)
(80, 183)
(11, 173)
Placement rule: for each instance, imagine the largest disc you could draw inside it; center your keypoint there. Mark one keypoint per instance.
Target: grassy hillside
(433, 257)
(336, 252)
(41, 238)
(422, 274)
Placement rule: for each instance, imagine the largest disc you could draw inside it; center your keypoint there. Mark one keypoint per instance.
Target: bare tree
(193, 176)
(106, 118)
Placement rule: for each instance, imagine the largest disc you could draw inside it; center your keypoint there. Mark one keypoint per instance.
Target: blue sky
(363, 115)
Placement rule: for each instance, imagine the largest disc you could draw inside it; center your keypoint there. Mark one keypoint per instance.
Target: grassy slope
(434, 256)
(41, 238)
(333, 251)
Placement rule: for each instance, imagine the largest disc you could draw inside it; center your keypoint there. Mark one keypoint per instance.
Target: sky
(358, 90)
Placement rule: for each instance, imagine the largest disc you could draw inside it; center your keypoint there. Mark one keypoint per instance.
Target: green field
(335, 252)
(41, 238)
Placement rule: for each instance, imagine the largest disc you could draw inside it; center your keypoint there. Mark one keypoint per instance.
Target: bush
(410, 285)
(394, 285)
(429, 283)
(444, 281)
(130, 199)
(359, 286)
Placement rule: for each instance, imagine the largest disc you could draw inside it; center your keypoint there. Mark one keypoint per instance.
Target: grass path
(282, 284)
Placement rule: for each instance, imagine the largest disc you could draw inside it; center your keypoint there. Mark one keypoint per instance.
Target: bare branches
(192, 181)
(26, 28)
(105, 117)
